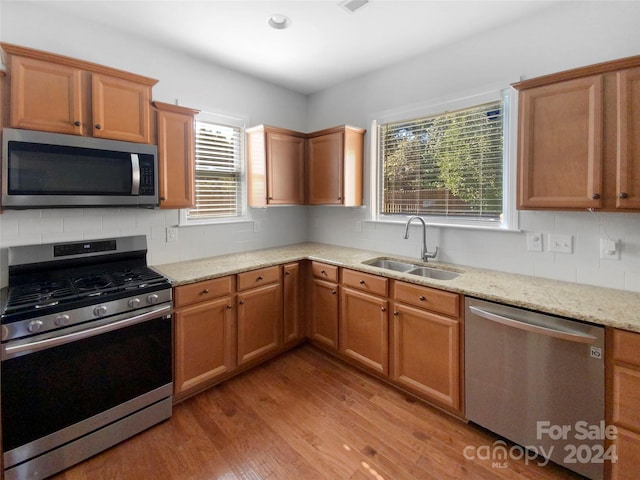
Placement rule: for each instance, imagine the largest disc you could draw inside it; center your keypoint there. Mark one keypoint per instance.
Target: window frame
(510, 217)
(234, 121)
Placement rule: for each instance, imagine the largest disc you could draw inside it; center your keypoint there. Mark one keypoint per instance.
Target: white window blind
(446, 165)
(219, 171)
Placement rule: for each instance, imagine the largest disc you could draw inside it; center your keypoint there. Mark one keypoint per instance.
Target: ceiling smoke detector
(352, 5)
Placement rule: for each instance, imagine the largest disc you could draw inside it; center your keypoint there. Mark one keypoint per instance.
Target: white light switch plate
(609, 248)
(560, 243)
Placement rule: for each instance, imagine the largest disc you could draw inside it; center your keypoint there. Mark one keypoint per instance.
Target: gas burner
(92, 283)
(39, 295)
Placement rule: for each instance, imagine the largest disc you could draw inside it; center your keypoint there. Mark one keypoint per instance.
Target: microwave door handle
(135, 174)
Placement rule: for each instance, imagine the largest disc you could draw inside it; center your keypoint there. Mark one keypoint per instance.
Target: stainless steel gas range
(86, 352)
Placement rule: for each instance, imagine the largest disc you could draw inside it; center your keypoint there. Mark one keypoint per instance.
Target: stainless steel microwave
(50, 170)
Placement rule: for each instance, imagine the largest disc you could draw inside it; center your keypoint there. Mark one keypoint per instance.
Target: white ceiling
(325, 44)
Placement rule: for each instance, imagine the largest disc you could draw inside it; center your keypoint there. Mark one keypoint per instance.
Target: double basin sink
(412, 268)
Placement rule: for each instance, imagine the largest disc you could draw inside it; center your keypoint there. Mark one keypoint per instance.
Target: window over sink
(448, 163)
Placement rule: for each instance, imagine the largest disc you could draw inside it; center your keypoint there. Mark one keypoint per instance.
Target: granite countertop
(604, 306)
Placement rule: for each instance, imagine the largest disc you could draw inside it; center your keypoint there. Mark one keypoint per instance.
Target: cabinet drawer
(428, 298)
(325, 271)
(365, 282)
(202, 291)
(626, 397)
(257, 278)
(626, 347)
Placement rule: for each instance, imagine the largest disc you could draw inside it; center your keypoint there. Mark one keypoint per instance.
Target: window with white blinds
(219, 171)
(447, 165)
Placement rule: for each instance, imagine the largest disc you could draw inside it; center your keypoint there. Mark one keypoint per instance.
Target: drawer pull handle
(323, 272)
(362, 282)
(205, 291)
(260, 278)
(422, 298)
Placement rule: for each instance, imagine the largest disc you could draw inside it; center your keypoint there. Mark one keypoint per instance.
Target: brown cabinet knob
(77, 123)
(260, 277)
(422, 298)
(287, 273)
(205, 291)
(98, 126)
(269, 198)
(333, 292)
(339, 198)
(362, 282)
(241, 302)
(595, 196)
(623, 195)
(323, 272)
(163, 198)
(383, 309)
(229, 307)
(396, 313)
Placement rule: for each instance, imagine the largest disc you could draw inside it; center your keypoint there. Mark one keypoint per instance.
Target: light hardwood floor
(305, 416)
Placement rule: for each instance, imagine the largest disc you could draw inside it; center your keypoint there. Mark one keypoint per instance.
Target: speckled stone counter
(604, 306)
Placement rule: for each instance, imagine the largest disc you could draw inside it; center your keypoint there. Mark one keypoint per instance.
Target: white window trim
(232, 121)
(510, 218)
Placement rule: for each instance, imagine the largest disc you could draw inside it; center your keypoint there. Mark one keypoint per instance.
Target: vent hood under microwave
(51, 170)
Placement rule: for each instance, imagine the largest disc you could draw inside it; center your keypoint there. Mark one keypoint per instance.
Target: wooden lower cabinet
(292, 296)
(623, 402)
(324, 313)
(259, 322)
(425, 352)
(204, 343)
(364, 329)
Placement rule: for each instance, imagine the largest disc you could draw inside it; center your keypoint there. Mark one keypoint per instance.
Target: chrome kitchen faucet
(425, 254)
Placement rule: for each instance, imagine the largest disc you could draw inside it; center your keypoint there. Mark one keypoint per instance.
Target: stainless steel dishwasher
(537, 380)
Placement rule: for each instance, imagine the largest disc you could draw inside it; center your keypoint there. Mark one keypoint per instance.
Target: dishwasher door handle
(528, 327)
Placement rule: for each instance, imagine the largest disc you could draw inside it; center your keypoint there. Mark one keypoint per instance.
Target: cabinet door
(324, 313)
(628, 139)
(259, 322)
(121, 109)
(292, 299)
(560, 145)
(425, 354)
(285, 169)
(627, 465)
(176, 163)
(326, 169)
(204, 342)
(46, 96)
(364, 329)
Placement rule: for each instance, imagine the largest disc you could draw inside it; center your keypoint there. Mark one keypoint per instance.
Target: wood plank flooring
(306, 416)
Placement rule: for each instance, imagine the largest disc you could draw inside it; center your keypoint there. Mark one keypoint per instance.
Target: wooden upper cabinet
(176, 155)
(628, 138)
(46, 96)
(120, 109)
(560, 142)
(334, 166)
(275, 158)
(60, 94)
(578, 143)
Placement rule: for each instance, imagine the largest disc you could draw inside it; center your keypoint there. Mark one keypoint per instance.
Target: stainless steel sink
(436, 273)
(412, 268)
(389, 264)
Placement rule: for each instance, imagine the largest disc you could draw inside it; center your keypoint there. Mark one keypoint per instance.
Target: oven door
(57, 389)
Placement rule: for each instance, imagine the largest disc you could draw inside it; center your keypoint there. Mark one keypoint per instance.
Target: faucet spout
(425, 254)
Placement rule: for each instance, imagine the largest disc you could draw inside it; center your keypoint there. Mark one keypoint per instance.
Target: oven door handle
(15, 350)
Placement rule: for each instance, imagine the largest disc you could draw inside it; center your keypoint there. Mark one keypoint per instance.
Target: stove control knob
(35, 326)
(152, 299)
(134, 302)
(100, 311)
(62, 320)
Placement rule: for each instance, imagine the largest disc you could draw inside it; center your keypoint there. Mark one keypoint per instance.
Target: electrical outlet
(560, 243)
(534, 242)
(358, 225)
(172, 234)
(609, 248)
(256, 226)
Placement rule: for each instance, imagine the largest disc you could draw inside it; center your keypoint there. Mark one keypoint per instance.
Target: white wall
(195, 84)
(569, 35)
